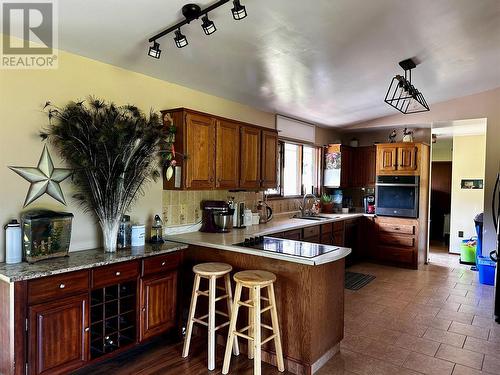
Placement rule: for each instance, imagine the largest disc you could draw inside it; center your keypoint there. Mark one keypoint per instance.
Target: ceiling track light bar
(194, 15)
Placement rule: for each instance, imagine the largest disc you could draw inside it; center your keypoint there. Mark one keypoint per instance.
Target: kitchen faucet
(303, 208)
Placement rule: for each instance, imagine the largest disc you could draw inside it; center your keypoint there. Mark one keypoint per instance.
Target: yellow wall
(22, 95)
(468, 163)
(442, 150)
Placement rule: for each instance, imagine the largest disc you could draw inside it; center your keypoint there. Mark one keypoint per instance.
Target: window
(299, 170)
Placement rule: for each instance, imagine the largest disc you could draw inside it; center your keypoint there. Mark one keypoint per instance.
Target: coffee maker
(217, 217)
(369, 204)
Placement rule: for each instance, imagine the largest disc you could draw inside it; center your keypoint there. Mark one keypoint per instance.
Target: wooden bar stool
(254, 280)
(211, 272)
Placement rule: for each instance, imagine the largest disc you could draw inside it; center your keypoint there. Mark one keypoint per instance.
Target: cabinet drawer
(326, 228)
(396, 228)
(311, 231)
(338, 225)
(160, 263)
(396, 240)
(114, 274)
(55, 287)
(395, 255)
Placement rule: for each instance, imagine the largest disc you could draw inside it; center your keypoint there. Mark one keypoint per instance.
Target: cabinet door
(386, 159)
(58, 335)
(338, 238)
(200, 151)
(346, 166)
(269, 159)
(407, 158)
(158, 304)
(250, 157)
(295, 234)
(370, 162)
(227, 152)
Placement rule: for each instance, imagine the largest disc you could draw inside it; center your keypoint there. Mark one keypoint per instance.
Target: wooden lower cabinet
(158, 304)
(58, 335)
(396, 241)
(66, 321)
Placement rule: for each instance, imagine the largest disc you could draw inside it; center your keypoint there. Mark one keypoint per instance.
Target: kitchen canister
(13, 244)
(248, 217)
(138, 235)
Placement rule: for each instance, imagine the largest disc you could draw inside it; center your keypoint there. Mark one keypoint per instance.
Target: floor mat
(355, 281)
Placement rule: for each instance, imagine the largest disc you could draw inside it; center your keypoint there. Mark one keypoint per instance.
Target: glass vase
(110, 234)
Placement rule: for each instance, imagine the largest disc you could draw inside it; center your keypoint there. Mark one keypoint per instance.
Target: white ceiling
(325, 61)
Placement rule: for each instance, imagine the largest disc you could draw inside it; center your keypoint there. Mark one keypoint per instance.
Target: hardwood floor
(161, 356)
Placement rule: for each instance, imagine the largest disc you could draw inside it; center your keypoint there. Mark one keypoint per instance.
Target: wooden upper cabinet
(213, 152)
(269, 159)
(407, 158)
(227, 153)
(58, 335)
(200, 155)
(363, 166)
(250, 162)
(387, 158)
(158, 304)
(399, 158)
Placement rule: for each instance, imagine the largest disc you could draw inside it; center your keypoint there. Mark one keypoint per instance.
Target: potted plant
(113, 150)
(326, 203)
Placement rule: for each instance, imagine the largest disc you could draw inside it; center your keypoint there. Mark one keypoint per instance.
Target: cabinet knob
(397, 228)
(118, 273)
(143, 309)
(87, 329)
(62, 286)
(163, 263)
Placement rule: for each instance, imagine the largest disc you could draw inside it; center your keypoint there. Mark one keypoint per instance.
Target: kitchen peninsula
(309, 290)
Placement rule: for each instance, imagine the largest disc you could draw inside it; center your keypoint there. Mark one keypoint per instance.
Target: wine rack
(113, 318)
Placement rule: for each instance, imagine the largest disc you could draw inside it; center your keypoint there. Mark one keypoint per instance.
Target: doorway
(456, 192)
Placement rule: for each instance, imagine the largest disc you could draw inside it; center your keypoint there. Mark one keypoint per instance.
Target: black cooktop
(288, 247)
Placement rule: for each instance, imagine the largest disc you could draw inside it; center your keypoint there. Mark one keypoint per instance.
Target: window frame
(319, 172)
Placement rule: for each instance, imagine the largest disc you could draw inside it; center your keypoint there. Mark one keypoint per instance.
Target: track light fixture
(154, 50)
(239, 11)
(208, 26)
(180, 39)
(402, 95)
(193, 12)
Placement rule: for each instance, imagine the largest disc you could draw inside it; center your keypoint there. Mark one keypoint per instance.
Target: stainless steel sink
(316, 218)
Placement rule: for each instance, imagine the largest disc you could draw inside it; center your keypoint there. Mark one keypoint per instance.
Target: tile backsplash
(183, 207)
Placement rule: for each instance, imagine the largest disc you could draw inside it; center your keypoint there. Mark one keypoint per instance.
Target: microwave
(397, 196)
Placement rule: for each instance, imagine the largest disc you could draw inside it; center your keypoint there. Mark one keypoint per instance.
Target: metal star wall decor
(44, 178)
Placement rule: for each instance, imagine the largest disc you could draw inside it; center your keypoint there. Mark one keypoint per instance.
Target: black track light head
(154, 50)
(239, 11)
(208, 26)
(180, 39)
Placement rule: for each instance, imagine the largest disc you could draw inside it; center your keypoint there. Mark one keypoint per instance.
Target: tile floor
(437, 320)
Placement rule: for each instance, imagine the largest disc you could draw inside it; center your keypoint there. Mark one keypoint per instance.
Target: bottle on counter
(13, 244)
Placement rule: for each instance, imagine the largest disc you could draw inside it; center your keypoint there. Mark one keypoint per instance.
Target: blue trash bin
(486, 269)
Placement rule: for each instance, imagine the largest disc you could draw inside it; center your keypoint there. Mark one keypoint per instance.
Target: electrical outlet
(461, 233)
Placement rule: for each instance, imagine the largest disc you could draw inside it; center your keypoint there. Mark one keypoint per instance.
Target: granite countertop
(78, 260)
(226, 241)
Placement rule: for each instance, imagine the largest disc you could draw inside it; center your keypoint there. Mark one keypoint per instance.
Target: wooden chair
(212, 272)
(255, 281)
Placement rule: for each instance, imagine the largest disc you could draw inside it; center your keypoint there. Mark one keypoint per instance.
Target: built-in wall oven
(397, 196)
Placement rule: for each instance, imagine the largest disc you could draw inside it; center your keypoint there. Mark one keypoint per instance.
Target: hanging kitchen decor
(402, 95)
(44, 179)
